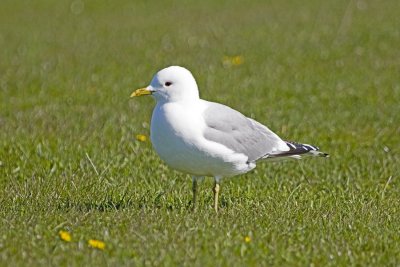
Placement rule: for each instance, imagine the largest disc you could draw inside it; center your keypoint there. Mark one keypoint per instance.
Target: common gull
(204, 138)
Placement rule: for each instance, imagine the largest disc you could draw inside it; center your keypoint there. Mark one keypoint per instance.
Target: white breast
(177, 136)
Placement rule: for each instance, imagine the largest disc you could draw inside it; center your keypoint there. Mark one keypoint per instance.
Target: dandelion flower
(97, 244)
(247, 239)
(233, 61)
(141, 137)
(237, 60)
(64, 235)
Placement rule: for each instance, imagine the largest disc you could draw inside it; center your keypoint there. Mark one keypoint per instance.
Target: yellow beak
(140, 92)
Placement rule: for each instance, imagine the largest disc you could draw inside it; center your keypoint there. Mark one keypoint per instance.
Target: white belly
(176, 134)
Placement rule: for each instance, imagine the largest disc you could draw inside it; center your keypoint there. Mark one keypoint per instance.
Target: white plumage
(203, 138)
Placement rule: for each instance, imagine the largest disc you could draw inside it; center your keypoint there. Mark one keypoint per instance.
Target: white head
(171, 84)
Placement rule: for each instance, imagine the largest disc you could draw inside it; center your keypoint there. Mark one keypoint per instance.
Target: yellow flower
(233, 61)
(247, 239)
(64, 235)
(237, 60)
(97, 244)
(141, 137)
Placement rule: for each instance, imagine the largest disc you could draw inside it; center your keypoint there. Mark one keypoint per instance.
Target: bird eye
(168, 83)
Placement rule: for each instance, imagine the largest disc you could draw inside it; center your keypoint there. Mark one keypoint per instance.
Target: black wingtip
(299, 149)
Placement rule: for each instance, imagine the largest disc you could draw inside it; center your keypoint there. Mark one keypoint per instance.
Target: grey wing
(239, 133)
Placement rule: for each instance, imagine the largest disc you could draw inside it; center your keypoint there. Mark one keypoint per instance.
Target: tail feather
(296, 151)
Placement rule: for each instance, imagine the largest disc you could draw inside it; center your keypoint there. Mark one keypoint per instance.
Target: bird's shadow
(157, 201)
(102, 206)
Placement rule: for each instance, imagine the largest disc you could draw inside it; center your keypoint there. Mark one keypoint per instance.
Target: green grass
(321, 72)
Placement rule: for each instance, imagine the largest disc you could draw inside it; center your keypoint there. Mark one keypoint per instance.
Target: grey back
(239, 133)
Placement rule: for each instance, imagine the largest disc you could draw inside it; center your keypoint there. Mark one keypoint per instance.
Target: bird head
(171, 84)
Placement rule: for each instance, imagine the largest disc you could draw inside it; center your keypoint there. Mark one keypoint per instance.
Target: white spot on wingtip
(291, 145)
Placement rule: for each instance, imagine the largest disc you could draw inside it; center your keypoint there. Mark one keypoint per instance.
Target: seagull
(204, 138)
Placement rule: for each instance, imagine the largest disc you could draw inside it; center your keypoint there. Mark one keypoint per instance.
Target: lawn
(321, 72)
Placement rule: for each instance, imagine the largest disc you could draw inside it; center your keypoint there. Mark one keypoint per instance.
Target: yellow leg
(216, 192)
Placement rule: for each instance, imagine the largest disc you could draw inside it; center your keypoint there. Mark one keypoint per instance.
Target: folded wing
(240, 134)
